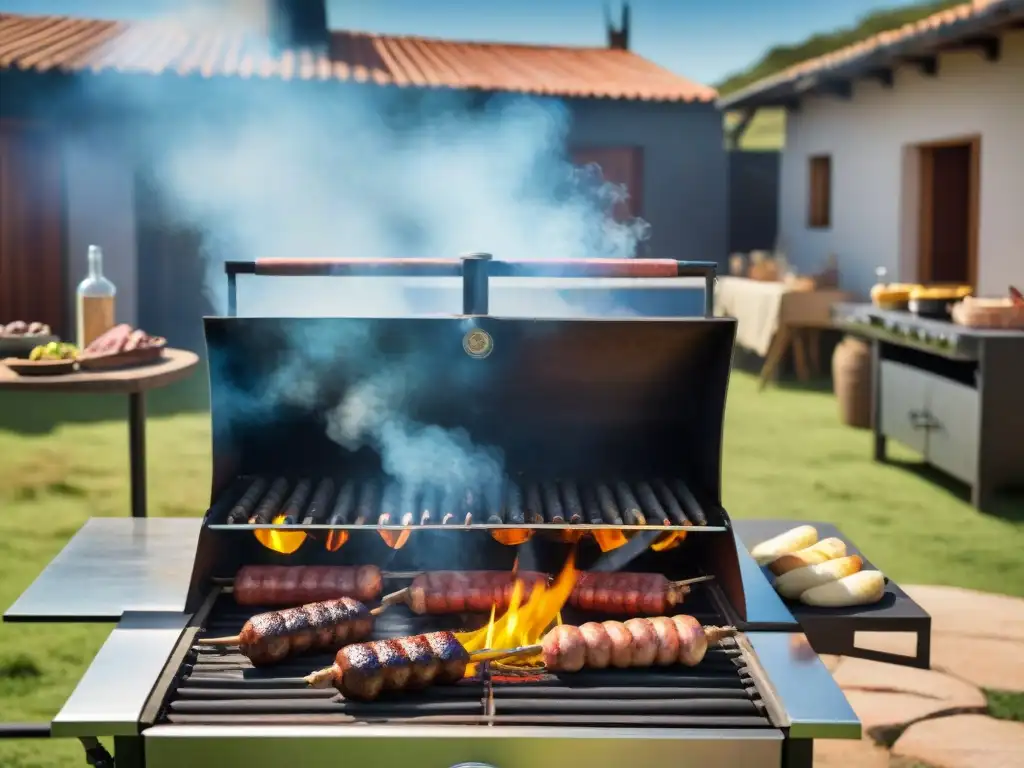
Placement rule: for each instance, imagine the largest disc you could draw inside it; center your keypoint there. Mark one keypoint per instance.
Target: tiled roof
(879, 45)
(48, 43)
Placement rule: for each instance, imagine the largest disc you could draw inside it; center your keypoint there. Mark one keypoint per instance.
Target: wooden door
(949, 212)
(619, 165)
(32, 273)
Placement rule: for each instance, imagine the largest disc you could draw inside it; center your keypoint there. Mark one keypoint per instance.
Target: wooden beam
(883, 75)
(990, 45)
(929, 65)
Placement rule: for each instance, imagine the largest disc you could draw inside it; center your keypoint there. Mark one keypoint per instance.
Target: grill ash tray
(833, 630)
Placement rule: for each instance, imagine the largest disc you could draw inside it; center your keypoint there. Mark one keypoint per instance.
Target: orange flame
(609, 538)
(283, 542)
(395, 539)
(524, 623)
(335, 539)
(511, 537)
(668, 541)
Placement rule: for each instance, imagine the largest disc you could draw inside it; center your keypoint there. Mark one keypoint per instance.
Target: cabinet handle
(924, 420)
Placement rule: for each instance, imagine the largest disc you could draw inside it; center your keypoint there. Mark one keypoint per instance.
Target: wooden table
(773, 318)
(175, 365)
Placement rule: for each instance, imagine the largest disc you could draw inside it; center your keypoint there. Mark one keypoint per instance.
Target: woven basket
(989, 313)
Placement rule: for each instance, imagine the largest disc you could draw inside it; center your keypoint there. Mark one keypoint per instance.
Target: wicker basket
(989, 313)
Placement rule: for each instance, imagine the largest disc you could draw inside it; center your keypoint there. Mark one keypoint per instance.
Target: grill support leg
(128, 752)
(796, 753)
(137, 451)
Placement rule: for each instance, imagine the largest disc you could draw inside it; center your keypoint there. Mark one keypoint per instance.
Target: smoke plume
(308, 169)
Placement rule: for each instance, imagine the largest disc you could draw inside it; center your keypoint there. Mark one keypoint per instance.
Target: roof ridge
(890, 36)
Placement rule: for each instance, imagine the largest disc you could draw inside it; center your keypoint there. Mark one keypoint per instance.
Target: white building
(906, 151)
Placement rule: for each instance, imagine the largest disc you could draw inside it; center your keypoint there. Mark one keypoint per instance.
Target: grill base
(414, 746)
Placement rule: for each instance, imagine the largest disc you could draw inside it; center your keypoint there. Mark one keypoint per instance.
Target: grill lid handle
(475, 269)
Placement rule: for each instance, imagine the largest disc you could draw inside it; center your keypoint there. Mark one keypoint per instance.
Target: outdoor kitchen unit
(407, 447)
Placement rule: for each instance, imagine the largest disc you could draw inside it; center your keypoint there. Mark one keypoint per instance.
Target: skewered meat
(660, 641)
(629, 594)
(365, 670)
(297, 584)
(271, 637)
(441, 592)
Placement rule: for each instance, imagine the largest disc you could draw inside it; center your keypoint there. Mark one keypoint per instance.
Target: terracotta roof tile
(868, 46)
(56, 43)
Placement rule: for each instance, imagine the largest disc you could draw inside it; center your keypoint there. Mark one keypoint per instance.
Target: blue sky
(701, 39)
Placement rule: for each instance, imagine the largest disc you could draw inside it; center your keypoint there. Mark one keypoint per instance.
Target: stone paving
(938, 717)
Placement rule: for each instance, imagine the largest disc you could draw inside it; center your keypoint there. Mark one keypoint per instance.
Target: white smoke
(309, 169)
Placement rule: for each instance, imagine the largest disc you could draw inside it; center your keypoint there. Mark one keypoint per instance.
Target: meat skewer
(492, 503)
(299, 584)
(364, 671)
(428, 506)
(630, 594)
(659, 641)
(369, 500)
(271, 637)
(241, 512)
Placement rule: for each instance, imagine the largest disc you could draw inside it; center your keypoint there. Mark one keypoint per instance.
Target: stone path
(937, 717)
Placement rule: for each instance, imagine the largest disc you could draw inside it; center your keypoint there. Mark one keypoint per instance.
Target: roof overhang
(836, 76)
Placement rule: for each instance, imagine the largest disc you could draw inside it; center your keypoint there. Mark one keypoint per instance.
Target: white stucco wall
(100, 200)
(874, 181)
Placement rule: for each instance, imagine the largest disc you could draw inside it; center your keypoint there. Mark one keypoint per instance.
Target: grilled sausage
(271, 637)
(635, 643)
(297, 584)
(628, 594)
(365, 670)
(442, 592)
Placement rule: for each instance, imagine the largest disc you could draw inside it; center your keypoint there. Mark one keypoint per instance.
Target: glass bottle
(94, 301)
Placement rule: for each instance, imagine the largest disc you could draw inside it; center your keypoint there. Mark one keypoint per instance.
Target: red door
(32, 285)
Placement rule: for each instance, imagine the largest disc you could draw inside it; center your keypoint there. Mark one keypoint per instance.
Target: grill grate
(222, 687)
(373, 502)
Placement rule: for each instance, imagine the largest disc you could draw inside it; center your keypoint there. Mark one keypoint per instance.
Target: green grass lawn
(785, 456)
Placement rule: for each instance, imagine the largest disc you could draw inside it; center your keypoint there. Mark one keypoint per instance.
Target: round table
(175, 365)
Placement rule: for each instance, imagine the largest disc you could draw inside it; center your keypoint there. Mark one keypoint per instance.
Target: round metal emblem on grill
(478, 343)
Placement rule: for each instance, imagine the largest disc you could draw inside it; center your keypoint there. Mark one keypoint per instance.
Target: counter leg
(137, 451)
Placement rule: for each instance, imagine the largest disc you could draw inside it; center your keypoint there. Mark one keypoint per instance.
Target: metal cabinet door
(953, 420)
(903, 400)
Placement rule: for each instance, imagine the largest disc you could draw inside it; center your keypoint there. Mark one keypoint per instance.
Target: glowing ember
(395, 539)
(283, 542)
(335, 539)
(511, 537)
(524, 623)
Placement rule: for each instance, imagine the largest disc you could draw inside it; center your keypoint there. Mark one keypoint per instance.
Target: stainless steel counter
(813, 702)
(110, 697)
(113, 565)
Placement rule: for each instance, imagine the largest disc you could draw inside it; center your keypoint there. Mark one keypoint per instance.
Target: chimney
(618, 39)
(298, 23)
